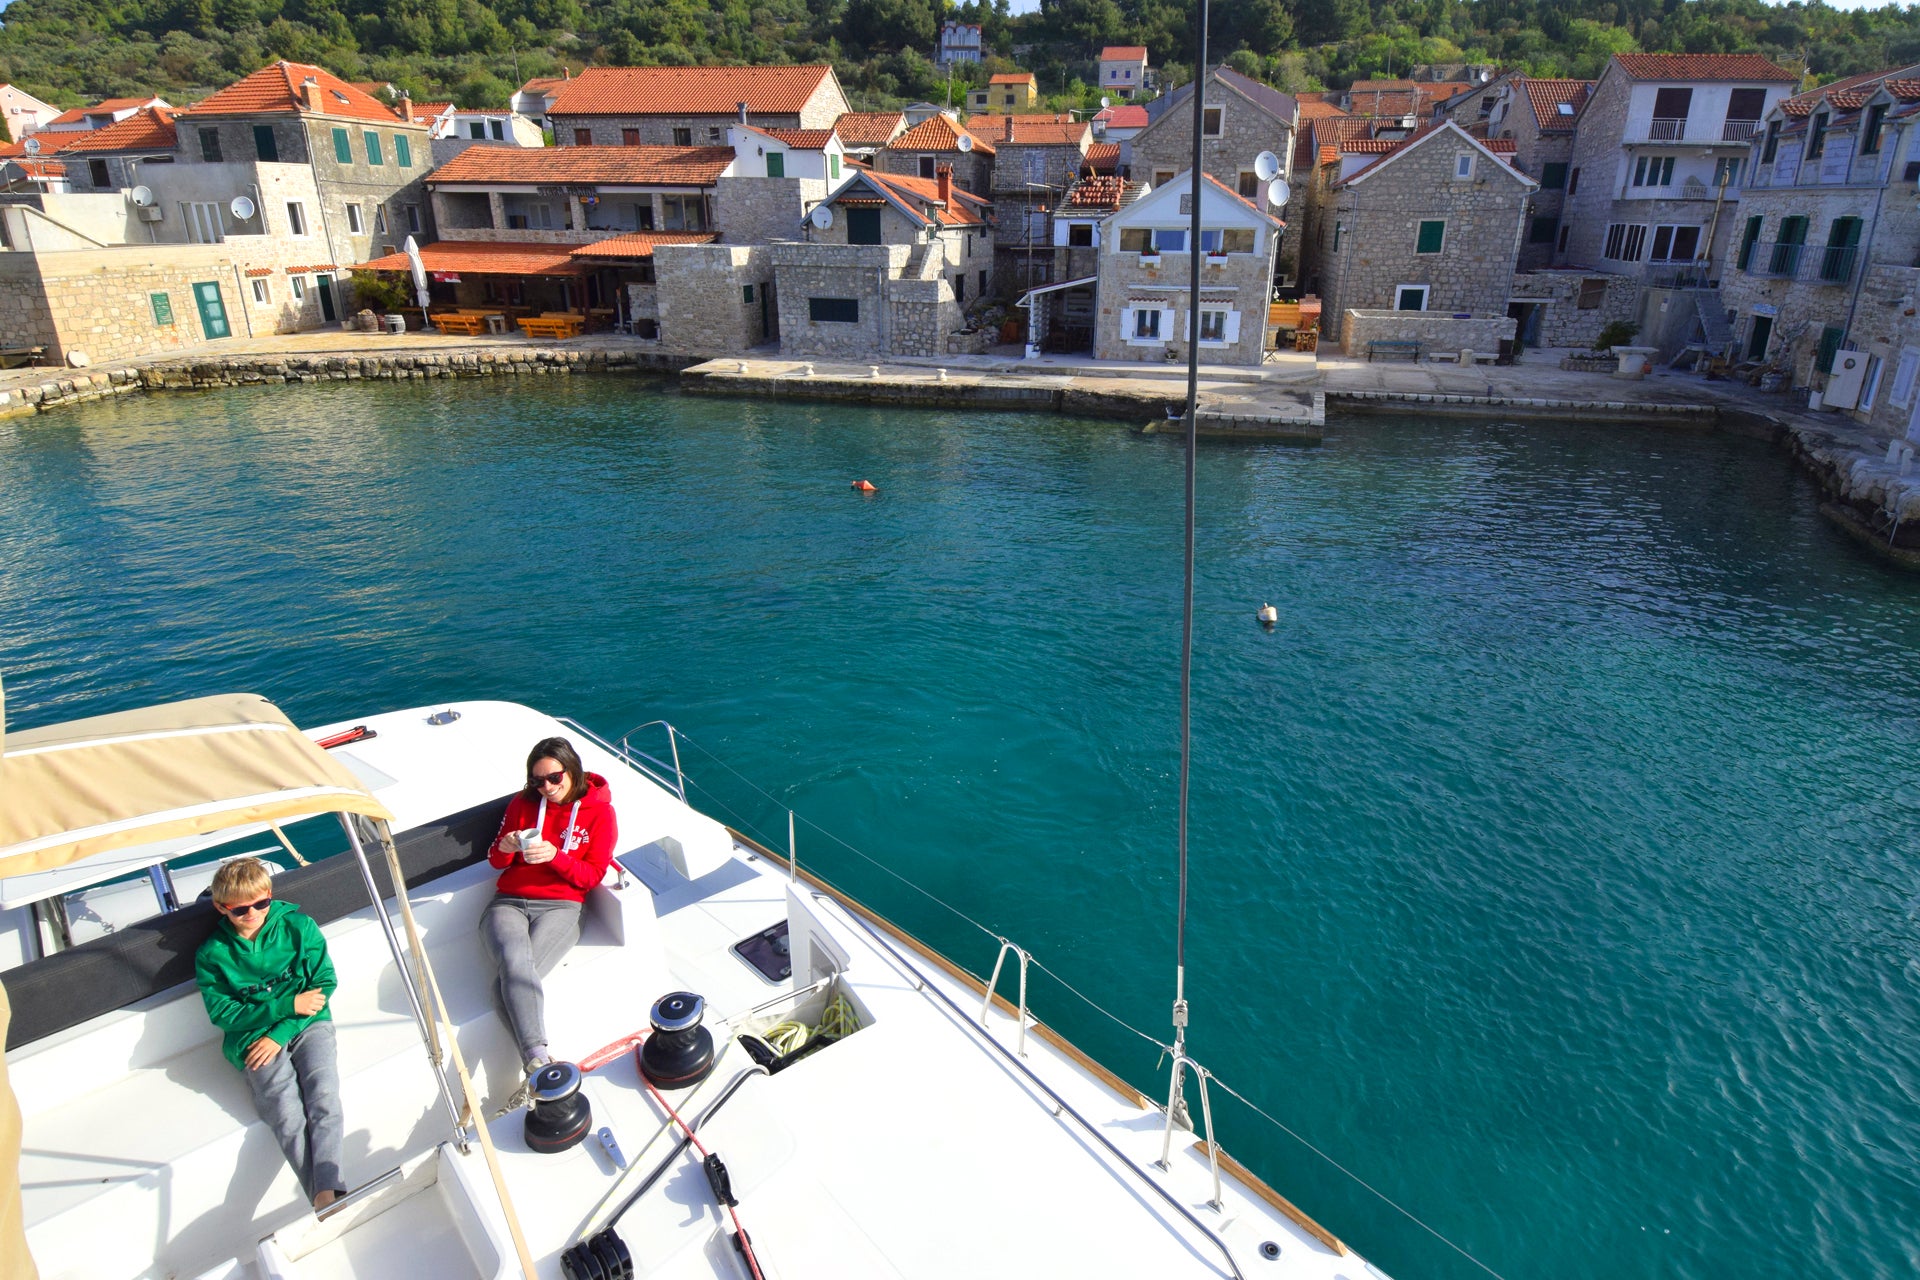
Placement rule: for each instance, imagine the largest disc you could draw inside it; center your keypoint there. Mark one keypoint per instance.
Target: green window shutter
(342, 147)
(402, 151)
(833, 166)
(1553, 177)
(1433, 233)
(1747, 239)
(372, 141)
(162, 308)
(776, 165)
(746, 293)
(1829, 345)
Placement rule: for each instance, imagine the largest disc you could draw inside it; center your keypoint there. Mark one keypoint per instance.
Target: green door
(325, 284)
(213, 312)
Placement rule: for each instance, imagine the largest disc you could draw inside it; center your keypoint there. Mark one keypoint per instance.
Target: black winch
(560, 1116)
(679, 1053)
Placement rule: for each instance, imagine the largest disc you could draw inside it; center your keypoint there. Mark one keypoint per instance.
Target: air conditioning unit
(1843, 384)
(151, 213)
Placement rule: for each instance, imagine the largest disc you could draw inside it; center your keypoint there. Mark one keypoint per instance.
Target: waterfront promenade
(1289, 398)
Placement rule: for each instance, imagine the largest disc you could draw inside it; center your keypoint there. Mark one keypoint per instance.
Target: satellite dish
(822, 216)
(1485, 76)
(31, 146)
(964, 144)
(241, 208)
(1106, 102)
(1266, 166)
(142, 196)
(1278, 192)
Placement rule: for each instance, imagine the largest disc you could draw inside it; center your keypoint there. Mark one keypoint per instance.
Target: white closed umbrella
(419, 269)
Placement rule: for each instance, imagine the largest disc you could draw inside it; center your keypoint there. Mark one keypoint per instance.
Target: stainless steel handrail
(667, 775)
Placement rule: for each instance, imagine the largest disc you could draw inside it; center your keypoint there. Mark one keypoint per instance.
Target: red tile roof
(688, 91)
(543, 84)
(935, 133)
(629, 166)
(1546, 97)
(33, 168)
(1313, 107)
(9, 149)
(1702, 66)
(1014, 77)
(483, 258)
(1125, 116)
(799, 139)
(324, 266)
(276, 88)
(148, 129)
(1103, 157)
(1124, 53)
(923, 194)
(1384, 102)
(429, 110)
(1100, 193)
(1029, 131)
(255, 272)
(640, 244)
(1374, 146)
(1852, 92)
(868, 128)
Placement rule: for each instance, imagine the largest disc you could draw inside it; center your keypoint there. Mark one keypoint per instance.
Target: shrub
(381, 292)
(1617, 334)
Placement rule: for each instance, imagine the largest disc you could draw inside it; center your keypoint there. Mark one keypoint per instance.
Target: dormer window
(1816, 135)
(1772, 145)
(1870, 131)
(339, 96)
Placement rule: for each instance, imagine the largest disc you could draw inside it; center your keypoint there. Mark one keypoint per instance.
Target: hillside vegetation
(477, 51)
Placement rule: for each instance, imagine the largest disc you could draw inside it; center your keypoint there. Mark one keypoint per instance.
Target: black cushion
(112, 972)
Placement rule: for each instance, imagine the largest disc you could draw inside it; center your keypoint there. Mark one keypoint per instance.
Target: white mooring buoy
(1268, 614)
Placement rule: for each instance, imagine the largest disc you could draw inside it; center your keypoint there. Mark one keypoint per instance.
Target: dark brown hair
(562, 752)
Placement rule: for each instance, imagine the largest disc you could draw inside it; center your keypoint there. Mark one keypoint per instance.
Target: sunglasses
(248, 909)
(547, 779)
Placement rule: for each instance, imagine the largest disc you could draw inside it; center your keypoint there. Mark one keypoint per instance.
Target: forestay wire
(745, 824)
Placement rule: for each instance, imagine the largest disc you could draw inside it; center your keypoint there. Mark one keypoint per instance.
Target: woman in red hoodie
(554, 845)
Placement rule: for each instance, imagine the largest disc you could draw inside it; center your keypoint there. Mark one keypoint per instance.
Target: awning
(486, 258)
(185, 768)
(1026, 299)
(639, 245)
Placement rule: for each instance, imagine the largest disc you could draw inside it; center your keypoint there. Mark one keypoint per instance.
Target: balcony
(1811, 263)
(1738, 130)
(1774, 258)
(1668, 130)
(1833, 264)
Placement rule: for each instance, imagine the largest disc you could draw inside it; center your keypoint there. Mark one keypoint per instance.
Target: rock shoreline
(1863, 492)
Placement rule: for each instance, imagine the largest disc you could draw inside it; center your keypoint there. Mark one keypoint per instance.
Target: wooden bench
(550, 326)
(14, 357)
(1396, 347)
(471, 326)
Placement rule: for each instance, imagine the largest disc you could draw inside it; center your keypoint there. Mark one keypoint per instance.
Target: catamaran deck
(918, 1146)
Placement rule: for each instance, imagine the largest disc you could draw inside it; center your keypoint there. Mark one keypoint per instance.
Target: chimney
(406, 107)
(310, 94)
(944, 176)
(743, 113)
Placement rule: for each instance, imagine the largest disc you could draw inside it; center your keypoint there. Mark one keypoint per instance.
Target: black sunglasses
(547, 779)
(248, 909)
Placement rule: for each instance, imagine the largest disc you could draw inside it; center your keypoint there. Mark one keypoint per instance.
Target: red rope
(740, 1232)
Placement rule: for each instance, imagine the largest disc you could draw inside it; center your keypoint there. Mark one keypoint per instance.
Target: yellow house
(1009, 91)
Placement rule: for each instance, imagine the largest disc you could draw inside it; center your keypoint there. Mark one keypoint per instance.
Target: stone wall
(1433, 332)
(657, 131)
(972, 170)
(1378, 221)
(1240, 287)
(703, 301)
(1596, 159)
(1245, 131)
(387, 186)
(1563, 321)
(859, 272)
(761, 210)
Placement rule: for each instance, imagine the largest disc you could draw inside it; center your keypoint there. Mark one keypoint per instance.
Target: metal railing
(1775, 258)
(1834, 264)
(1813, 263)
(668, 775)
(1738, 130)
(1667, 130)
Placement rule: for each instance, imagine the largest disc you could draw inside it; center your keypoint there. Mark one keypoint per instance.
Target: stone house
(23, 113)
(864, 132)
(1433, 225)
(1822, 258)
(890, 272)
(99, 115)
(575, 195)
(110, 159)
(1062, 314)
(1123, 70)
(1035, 160)
(936, 141)
(1538, 116)
(1476, 105)
(1005, 91)
(1144, 309)
(690, 106)
(1658, 158)
(1240, 119)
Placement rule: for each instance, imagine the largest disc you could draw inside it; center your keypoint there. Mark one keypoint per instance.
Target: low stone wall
(238, 371)
(1433, 330)
(1563, 321)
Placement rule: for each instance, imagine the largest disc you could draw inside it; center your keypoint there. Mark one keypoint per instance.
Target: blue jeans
(525, 938)
(298, 1095)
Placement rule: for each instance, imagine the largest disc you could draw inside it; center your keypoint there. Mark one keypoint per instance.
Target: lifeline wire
(1095, 1005)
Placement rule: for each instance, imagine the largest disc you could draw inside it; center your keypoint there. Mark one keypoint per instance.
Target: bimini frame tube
(427, 1038)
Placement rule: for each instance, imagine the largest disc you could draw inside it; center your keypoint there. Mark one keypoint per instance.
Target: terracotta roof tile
(34, 168)
(1124, 116)
(543, 84)
(966, 209)
(429, 110)
(640, 244)
(688, 91)
(1102, 192)
(935, 133)
(1546, 97)
(799, 139)
(1124, 53)
(634, 166)
(148, 129)
(486, 258)
(868, 128)
(1029, 131)
(325, 266)
(1852, 92)
(1014, 77)
(276, 88)
(1103, 157)
(1316, 108)
(1702, 66)
(1384, 102)
(254, 273)
(11, 149)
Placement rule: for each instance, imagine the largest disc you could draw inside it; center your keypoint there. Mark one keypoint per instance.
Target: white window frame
(299, 288)
(297, 224)
(380, 219)
(1131, 319)
(1219, 114)
(1904, 376)
(1463, 167)
(1425, 291)
(261, 293)
(356, 219)
(1229, 325)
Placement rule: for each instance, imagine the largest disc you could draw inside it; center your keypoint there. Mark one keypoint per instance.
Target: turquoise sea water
(1555, 860)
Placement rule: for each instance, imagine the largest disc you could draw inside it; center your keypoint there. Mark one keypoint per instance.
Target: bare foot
(324, 1199)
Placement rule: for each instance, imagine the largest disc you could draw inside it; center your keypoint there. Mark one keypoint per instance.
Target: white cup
(526, 837)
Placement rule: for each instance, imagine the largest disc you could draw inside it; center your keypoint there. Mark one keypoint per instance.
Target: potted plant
(1617, 337)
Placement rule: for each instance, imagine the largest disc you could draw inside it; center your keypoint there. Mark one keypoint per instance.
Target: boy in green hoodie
(265, 977)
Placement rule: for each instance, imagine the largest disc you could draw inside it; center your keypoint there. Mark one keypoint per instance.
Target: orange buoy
(865, 486)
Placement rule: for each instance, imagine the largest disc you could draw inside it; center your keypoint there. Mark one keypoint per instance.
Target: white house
(815, 154)
(24, 113)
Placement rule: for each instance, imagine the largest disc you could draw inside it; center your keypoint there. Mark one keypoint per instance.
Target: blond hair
(241, 880)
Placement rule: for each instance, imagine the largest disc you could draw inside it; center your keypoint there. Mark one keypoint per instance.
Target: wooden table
(551, 326)
(467, 325)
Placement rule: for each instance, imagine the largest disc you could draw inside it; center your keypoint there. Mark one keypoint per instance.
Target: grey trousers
(525, 938)
(298, 1095)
